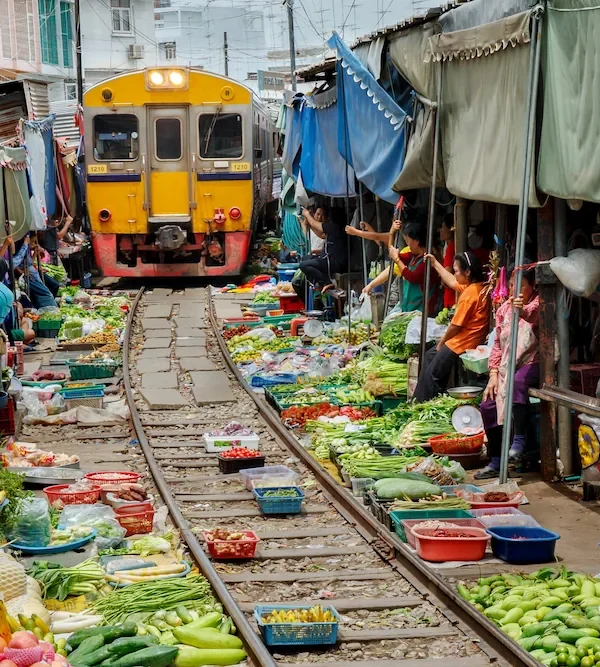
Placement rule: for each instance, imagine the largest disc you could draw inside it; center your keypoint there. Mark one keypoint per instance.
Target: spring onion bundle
(59, 582)
(418, 432)
(383, 466)
(383, 376)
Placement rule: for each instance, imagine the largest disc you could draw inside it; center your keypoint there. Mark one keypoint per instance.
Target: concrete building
(116, 35)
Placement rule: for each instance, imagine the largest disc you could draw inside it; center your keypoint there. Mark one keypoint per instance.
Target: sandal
(487, 473)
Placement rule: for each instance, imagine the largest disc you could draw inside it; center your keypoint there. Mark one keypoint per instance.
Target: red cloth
(449, 294)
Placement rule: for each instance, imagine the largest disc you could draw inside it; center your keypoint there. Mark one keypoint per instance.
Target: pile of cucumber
(204, 641)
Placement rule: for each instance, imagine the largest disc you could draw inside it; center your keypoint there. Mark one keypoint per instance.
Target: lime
(588, 661)
(581, 652)
(573, 661)
(561, 658)
(553, 663)
(597, 657)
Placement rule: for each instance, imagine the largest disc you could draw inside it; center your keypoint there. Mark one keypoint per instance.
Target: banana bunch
(315, 614)
(33, 624)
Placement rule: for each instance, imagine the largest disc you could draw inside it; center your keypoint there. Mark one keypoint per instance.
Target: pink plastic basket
(110, 477)
(442, 549)
(409, 524)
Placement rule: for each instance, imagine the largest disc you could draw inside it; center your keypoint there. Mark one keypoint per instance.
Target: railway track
(395, 611)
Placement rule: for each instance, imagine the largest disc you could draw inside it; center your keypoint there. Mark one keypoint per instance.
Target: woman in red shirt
(447, 238)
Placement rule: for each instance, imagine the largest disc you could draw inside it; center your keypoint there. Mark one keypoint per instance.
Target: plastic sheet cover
(483, 108)
(290, 159)
(569, 160)
(324, 171)
(410, 52)
(371, 126)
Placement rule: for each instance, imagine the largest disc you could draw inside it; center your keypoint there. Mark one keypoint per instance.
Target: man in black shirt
(53, 235)
(319, 270)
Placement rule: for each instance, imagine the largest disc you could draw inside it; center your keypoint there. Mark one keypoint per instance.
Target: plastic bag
(263, 333)
(435, 331)
(33, 527)
(35, 408)
(456, 471)
(588, 441)
(363, 313)
(93, 326)
(432, 469)
(579, 271)
(109, 532)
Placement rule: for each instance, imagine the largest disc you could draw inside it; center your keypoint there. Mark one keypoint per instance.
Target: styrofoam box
(276, 473)
(249, 441)
(504, 516)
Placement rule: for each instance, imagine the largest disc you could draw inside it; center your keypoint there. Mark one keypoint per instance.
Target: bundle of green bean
(192, 592)
(383, 466)
(441, 504)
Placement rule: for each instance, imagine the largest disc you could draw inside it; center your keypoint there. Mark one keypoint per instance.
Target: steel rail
(499, 643)
(258, 651)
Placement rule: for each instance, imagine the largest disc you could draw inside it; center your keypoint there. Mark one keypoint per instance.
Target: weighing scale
(467, 419)
(309, 326)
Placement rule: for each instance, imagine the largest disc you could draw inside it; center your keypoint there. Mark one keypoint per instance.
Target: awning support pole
(388, 289)
(532, 86)
(363, 243)
(562, 333)
(431, 218)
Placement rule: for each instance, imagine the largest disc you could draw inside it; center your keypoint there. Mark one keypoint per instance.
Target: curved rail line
(496, 646)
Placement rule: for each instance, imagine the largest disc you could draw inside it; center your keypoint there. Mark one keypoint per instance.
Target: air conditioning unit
(136, 51)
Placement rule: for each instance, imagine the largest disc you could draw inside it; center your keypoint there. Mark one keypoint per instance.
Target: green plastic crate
(389, 403)
(402, 515)
(42, 325)
(81, 371)
(283, 321)
(252, 325)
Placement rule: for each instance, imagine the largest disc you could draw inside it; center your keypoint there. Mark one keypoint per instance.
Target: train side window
(167, 138)
(220, 136)
(116, 137)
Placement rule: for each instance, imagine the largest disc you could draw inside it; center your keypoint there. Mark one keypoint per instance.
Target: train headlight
(235, 213)
(104, 215)
(157, 78)
(176, 78)
(166, 78)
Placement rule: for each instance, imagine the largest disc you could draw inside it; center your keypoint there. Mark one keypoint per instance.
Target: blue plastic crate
(275, 379)
(285, 275)
(70, 394)
(281, 504)
(296, 634)
(537, 547)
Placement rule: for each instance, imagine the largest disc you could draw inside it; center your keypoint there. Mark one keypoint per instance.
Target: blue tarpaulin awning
(371, 126)
(324, 170)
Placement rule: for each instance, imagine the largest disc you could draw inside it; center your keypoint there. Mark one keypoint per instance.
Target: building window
(167, 138)
(169, 49)
(66, 31)
(158, 4)
(48, 31)
(116, 137)
(121, 16)
(220, 136)
(70, 91)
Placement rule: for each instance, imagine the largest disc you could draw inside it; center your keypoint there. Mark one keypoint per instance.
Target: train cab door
(169, 158)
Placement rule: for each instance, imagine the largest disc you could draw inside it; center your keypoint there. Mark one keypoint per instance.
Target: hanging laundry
(13, 163)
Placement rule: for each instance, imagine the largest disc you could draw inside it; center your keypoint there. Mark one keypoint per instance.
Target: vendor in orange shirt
(468, 329)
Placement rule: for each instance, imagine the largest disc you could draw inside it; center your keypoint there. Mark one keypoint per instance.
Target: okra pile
(552, 614)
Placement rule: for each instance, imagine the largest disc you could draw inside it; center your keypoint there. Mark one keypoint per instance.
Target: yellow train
(179, 170)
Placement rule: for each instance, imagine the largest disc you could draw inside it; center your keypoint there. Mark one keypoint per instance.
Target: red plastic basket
(57, 494)
(136, 521)
(456, 443)
(110, 477)
(291, 304)
(442, 549)
(232, 549)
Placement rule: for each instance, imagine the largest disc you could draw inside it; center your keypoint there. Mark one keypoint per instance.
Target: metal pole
(534, 68)
(431, 218)
(78, 52)
(11, 266)
(290, 13)
(378, 220)
(388, 290)
(226, 53)
(562, 334)
(361, 210)
(461, 225)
